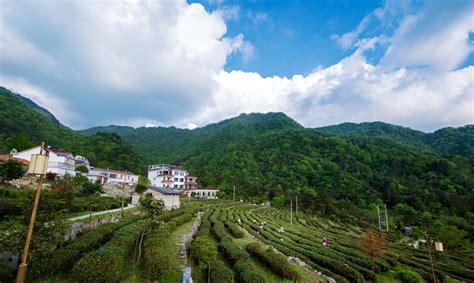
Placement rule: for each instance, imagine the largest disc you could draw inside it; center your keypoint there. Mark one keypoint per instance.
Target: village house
(60, 162)
(203, 193)
(111, 176)
(171, 176)
(169, 197)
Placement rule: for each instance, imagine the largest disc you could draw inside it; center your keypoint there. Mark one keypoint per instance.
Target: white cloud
(437, 36)
(162, 63)
(50, 102)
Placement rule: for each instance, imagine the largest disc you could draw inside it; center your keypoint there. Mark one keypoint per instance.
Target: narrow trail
(186, 239)
(100, 212)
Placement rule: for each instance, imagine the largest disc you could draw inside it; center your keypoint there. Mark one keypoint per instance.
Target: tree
(90, 188)
(10, 170)
(373, 245)
(278, 202)
(82, 169)
(151, 206)
(19, 142)
(142, 184)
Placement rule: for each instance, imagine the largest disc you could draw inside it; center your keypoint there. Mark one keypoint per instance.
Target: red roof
(4, 158)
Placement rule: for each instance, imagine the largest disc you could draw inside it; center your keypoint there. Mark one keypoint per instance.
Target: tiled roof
(4, 158)
(165, 191)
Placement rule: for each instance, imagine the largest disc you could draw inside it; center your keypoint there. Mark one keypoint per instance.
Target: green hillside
(272, 157)
(20, 116)
(268, 155)
(447, 141)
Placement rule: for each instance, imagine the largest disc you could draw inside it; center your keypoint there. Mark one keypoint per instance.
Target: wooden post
(22, 268)
(431, 258)
(386, 217)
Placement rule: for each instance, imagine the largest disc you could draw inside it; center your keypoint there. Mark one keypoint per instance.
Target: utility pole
(291, 212)
(431, 258)
(234, 194)
(296, 206)
(386, 216)
(378, 215)
(123, 194)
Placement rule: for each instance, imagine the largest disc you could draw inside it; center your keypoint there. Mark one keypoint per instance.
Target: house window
(113, 176)
(181, 186)
(181, 180)
(176, 179)
(175, 186)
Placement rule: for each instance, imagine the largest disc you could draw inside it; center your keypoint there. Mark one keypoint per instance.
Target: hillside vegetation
(272, 157)
(447, 141)
(20, 116)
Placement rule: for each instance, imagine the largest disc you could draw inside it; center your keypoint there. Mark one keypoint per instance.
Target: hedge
(245, 273)
(159, 254)
(277, 262)
(108, 264)
(234, 229)
(221, 273)
(407, 275)
(62, 260)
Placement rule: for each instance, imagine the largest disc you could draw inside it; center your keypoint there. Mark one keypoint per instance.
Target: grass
(387, 277)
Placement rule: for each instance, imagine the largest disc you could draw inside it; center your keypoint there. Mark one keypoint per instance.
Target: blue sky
(292, 37)
(190, 63)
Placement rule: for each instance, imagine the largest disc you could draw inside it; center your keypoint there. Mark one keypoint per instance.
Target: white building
(60, 162)
(169, 197)
(203, 193)
(171, 176)
(112, 176)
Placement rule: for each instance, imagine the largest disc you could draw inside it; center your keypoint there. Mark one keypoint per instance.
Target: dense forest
(341, 171)
(447, 141)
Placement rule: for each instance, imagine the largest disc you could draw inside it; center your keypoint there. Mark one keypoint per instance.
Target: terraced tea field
(344, 260)
(135, 250)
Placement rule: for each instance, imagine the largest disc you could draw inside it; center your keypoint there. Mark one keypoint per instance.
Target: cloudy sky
(137, 63)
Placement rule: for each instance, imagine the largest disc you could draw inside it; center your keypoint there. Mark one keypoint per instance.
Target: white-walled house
(112, 176)
(171, 176)
(60, 162)
(203, 193)
(169, 197)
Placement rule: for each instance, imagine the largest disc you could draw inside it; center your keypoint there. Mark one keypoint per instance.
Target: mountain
(270, 155)
(447, 141)
(22, 116)
(160, 144)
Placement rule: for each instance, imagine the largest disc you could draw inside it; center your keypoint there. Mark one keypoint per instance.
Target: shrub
(232, 252)
(277, 262)
(9, 207)
(107, 264)
(220, 272)
(407, 275)
(159, 258)
(234, 230)
(245, 273)
(62, 260)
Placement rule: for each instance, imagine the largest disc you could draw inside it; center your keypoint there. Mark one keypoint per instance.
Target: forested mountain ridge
(272, 157)
(160, 144)
(447, 141)
(20, 117)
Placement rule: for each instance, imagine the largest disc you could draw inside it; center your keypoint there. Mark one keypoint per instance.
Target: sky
(191, 63)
